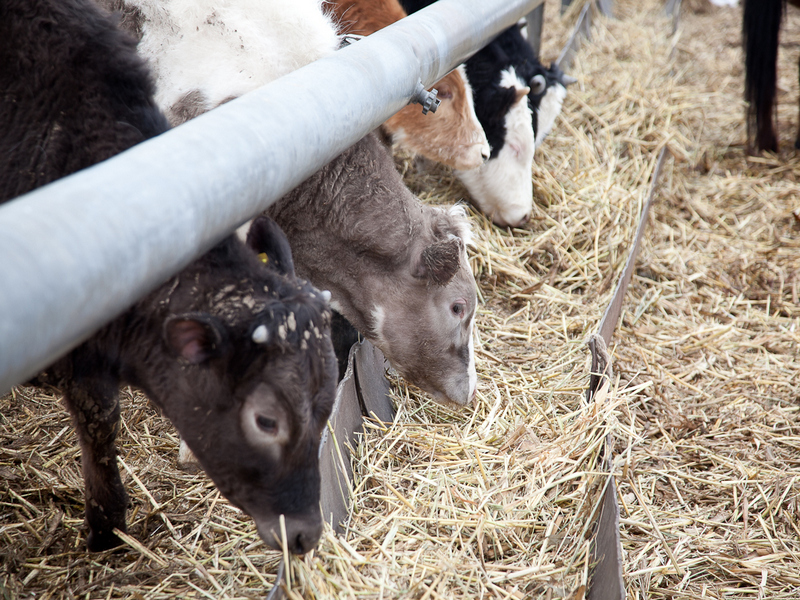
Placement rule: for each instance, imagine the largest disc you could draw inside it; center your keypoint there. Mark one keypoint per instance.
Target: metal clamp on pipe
(350, 38)
(427, 99)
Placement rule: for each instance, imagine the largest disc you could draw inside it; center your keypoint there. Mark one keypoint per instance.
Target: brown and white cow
(236, 353)
(452, 135)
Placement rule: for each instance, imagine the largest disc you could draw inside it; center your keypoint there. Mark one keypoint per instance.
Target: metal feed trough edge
(78, 252)
(581, 31)
(606, 581)
(362, 393)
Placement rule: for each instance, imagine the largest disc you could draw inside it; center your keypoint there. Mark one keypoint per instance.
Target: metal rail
(606, 581)
(76, 253)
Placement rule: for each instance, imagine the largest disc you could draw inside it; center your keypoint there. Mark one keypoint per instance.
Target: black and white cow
(517, 101)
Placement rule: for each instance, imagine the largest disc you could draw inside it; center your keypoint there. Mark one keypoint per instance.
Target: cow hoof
(101, 541)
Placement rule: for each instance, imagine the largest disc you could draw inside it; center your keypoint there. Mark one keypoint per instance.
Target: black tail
(761, 24)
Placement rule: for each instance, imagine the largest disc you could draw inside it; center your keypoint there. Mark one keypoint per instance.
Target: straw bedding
(497, 502)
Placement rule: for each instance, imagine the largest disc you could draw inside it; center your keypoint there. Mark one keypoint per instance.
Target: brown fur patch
(447, 136)
(191, 105)
(363, 17)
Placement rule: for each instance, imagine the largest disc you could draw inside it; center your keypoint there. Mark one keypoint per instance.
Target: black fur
(73, 92)
(343, 336)
(526, 64)
(491, 100)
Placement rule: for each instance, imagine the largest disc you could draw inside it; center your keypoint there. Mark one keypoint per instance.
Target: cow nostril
(304, 543)
(300, 545)
(524, 220)
(301, 534)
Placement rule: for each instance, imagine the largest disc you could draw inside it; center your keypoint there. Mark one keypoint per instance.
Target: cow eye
(267, 425)
(459, 308)
(538, 84)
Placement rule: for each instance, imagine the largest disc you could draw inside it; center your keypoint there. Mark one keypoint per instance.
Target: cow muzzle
(298, 535)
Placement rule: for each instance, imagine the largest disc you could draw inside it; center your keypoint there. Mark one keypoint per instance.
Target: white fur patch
(509, 79)
(399, 137)
(241, 231)
(549, 109)
(378, 320)
(473, 374)
(503, 187)
(458, 212)
(186, 458)
(225, 49)
(523, 28)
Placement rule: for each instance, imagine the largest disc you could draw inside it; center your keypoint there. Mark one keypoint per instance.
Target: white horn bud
(326, 295)
(261, 335)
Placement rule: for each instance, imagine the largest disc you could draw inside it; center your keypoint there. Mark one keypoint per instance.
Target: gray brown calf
(397, 269)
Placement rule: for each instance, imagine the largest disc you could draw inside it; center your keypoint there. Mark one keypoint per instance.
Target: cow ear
(504, 99)
(440, 261)
(265, 237)
(194, 337)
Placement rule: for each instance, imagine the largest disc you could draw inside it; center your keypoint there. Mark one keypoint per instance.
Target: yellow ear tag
(264, 258)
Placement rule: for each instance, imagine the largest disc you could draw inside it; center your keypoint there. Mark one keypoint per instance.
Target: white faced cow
(406, 286)
(517, 101)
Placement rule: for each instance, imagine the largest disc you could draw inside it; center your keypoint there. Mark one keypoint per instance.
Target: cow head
(256, 388)
(452, 135)
(502, 188)
(423, 321)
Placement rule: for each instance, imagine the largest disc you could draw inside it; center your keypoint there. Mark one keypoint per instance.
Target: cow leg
(761, 25)
(94, 405)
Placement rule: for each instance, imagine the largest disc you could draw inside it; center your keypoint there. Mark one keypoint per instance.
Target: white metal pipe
(76, 253)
